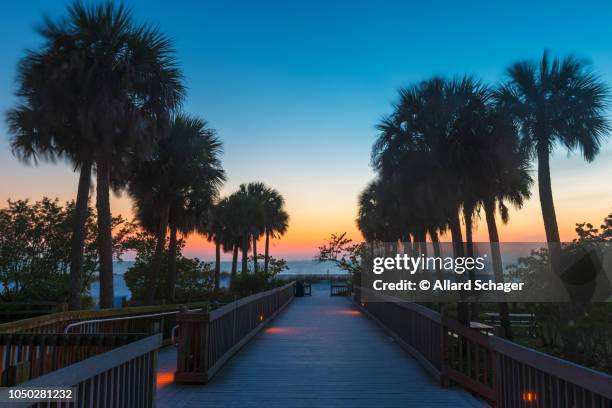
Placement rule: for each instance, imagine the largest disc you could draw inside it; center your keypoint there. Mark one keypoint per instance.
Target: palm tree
(258, 193)
(499, 175)
(276, 220)
(233, 221)
(177, 188)
(217, 230)
(99, 90)
(35, 134)
(246, 215)
(558, 101)
(426, 144)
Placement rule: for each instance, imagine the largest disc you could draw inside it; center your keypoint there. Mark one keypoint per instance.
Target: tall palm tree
(426, 144)
(498, 166)
(276, 220)
(217, 231)
(177, 188)
(233, 220)
(98, 90)
(246, 216)
(558, 101)
(259, 194)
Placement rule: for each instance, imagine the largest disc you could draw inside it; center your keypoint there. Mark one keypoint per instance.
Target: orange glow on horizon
(316, 211)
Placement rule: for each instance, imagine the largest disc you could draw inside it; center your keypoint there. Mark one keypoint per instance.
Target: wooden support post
(192, 353)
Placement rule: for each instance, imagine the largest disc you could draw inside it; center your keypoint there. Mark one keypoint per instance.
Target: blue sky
(295, 88)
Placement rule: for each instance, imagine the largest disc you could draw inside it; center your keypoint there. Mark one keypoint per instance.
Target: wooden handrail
(500, 371)
(208, 339)
(415, 307)
(584, 377)
(128, 374)
(58, 319)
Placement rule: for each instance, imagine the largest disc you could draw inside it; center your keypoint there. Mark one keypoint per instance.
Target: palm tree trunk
(421, 247)
(463, 311)
(435, 243)
(504, 314)
(255, 265)
(78, 236)
(267, 256)
(407, 244)
(105, 238)
(217, 265)
(234, 262)
(245, 254)
(546, 196)
(548, 214)
(158, 256)
(468, 214)
(423, 241)
(172, 251)
(568, 333)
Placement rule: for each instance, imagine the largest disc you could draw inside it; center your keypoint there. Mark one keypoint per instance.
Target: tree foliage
(342, 251)
(35, 249)
(194, 278)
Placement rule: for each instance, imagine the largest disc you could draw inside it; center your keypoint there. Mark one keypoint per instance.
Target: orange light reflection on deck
(164, 378)
(349, 312)
(529, 396)
(281, 330)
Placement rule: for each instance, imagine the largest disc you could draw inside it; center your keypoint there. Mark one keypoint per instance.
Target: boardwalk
(319, 352)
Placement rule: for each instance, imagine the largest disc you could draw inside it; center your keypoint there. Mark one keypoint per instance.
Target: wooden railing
(105, 321)
(333, 277)
(122, 377)
(208, 340)
(336, 289)
(502, 372)
(11, 311)
(25, 356)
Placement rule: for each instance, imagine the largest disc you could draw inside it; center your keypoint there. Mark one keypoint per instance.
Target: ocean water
(305, 267)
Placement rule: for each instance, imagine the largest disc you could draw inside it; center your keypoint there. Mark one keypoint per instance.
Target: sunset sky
(295, 89)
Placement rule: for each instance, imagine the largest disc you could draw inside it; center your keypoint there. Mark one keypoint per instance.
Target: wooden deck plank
(319, 352)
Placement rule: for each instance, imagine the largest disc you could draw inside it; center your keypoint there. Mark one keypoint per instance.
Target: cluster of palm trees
(175, 189)
(105, 93)
(452, 148)
(241, 219)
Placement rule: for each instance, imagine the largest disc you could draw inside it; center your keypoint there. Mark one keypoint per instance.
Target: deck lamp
(529, 396)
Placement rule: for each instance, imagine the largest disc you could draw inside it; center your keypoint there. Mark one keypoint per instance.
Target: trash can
(299, 289)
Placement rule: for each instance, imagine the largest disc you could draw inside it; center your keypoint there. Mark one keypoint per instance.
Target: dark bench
(339, 289)
(516, 320)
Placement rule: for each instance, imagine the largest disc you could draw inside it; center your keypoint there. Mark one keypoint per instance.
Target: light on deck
(529, 396)
(164, 378)
(279, 330)
(349, 312)
(261, 317)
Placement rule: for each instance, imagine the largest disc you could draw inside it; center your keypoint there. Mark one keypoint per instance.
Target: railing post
(234, 323)
(192, 353)
(497, 379)
(444, 351)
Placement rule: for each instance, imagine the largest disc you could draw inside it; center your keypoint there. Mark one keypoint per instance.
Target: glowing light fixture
(261, 317)
(164, 378)
(529, 396)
